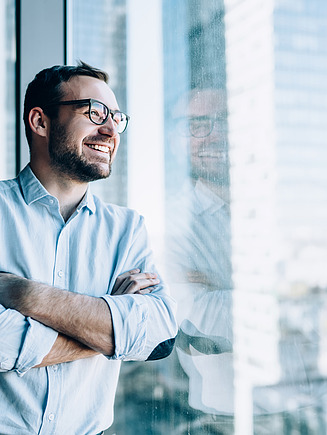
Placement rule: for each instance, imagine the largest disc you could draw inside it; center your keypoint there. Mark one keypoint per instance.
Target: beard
(66, 159)
(214, 170)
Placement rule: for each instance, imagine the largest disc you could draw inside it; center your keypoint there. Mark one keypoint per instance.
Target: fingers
(121, 278)
(134, 282)
(139, 282)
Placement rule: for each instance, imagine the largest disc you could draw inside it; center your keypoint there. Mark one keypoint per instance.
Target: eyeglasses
(98, 112)
(199, 126)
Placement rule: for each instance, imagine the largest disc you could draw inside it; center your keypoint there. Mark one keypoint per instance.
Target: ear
(38, 121)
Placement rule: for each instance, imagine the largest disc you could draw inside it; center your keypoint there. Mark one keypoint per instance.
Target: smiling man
(199, 260)
(78, 290)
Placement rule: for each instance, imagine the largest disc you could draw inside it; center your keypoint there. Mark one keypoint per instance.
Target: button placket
(59, 278)
(50, 420)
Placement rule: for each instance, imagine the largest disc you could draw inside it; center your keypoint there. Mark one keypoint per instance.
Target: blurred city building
(276, 58)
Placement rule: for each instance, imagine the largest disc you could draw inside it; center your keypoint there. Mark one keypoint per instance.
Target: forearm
(84, 318)
(66, 349)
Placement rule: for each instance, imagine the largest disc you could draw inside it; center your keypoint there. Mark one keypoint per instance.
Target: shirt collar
(34, 191)
(87, 201)
(204, 200)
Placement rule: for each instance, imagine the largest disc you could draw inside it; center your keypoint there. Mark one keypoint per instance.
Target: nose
(108, 128)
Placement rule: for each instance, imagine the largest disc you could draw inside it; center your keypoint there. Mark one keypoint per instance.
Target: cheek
(116, 145)
(196, 145)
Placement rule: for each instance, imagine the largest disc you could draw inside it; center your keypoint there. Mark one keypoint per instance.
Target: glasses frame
(90, 101)
(213, 120)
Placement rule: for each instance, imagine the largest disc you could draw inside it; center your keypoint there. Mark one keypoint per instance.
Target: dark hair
(45, 88)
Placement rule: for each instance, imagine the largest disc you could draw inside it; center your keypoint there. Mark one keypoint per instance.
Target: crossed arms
(84, 323)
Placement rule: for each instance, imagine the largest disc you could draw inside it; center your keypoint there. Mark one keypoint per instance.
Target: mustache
(99, 138)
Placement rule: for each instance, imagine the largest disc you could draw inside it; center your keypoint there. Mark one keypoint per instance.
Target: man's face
(73, 137)
(208, 154)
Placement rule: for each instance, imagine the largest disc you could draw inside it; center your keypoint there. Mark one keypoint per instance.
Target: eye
(94, 112)
(117, 117)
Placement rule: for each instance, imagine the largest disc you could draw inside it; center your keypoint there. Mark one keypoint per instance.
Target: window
(104, 45)
(225, 157)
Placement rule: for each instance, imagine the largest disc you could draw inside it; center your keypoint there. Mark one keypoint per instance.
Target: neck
(68, 192)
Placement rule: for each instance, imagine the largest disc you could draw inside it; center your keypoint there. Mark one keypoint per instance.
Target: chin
(89, 173)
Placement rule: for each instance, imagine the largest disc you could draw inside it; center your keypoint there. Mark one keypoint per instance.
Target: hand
(134, 282)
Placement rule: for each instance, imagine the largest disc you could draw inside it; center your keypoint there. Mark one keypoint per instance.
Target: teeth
(102, 148)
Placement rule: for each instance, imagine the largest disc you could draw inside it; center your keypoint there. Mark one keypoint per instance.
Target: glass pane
(198, 217)
(242, 240)
(7, 86)
(99, 39)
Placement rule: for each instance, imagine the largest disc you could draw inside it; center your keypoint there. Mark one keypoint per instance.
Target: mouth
(102, 148)
(212, 155)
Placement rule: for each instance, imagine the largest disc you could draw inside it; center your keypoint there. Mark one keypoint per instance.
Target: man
(79, 290)
(200, 246)
(200, 261)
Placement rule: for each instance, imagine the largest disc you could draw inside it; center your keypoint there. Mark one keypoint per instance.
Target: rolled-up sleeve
(24, 342)
(141, 323)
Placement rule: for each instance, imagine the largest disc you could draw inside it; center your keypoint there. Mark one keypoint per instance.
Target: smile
(211, 155)
(102, 148)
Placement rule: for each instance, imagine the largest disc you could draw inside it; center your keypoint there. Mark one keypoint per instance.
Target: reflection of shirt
(85, 254)
(205, 318)
(200, 235)
(199, 247)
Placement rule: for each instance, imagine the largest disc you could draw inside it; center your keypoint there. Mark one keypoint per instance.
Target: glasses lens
(98, 112)
(200, 126)
(121, 121)
(194, 126)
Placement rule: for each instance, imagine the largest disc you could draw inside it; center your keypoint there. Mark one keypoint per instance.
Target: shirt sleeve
(141, 322)
(24, 342)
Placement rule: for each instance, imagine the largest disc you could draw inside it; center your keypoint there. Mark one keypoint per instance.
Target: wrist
(16, 291)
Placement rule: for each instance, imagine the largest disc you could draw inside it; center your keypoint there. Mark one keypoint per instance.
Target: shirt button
(60, 273)
(51, 201)
(51, 417)
(55, 367)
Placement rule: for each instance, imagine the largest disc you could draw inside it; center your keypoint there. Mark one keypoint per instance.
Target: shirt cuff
(129, 318)
(38, 342)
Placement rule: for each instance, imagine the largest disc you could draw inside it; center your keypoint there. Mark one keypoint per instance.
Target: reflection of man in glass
(205, 124)
(199, 235)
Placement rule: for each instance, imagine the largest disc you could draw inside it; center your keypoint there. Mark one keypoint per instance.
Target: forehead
(207, 101)
(80, 87)
(201, 102)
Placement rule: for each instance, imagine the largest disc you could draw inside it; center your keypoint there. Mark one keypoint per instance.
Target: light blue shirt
(84, 255)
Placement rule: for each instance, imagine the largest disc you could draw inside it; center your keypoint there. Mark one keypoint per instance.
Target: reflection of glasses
(99, 112)
(199, 126)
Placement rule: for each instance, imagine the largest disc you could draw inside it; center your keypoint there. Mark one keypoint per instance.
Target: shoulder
(116, 213)
(9, 187)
